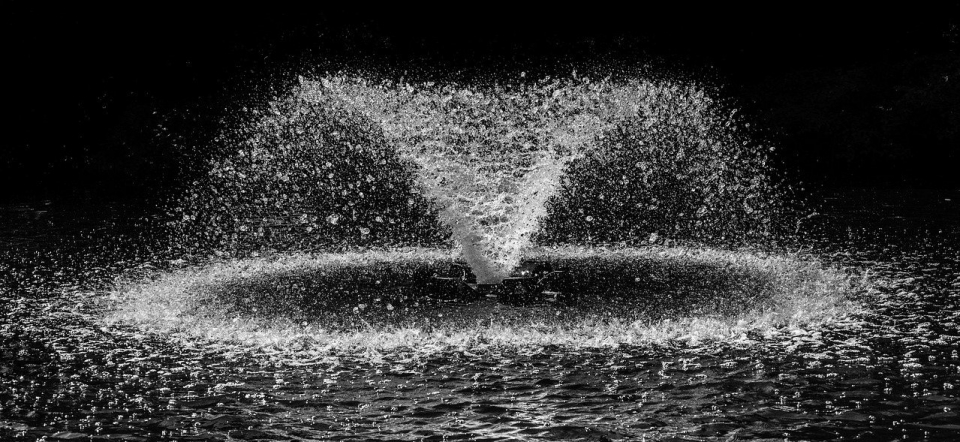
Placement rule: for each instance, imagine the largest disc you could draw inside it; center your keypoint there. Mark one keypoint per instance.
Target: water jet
(497, 168)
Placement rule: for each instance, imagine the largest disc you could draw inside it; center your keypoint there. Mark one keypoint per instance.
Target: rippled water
(890, 372)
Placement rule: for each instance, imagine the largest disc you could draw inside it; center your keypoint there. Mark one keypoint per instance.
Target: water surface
(890, 372)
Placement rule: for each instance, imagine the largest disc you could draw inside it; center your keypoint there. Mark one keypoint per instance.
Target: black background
(852, 97)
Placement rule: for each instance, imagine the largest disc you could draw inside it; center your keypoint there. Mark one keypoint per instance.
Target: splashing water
(488, 159)
(491, 162)
(296, 343)
(366, 301)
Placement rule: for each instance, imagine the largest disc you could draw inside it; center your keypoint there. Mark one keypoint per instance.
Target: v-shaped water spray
(489, 159)
(334, 160)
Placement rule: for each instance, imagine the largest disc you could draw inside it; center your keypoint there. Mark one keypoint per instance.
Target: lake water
(888, 372)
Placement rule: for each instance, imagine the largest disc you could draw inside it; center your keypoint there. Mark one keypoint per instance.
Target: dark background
(96, 97)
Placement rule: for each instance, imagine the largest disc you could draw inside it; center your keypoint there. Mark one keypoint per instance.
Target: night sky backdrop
(851, 97)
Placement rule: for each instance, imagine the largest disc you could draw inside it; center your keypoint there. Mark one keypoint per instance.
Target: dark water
(891, 373)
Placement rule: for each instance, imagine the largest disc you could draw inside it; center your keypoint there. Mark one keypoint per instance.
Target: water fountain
(491, 163)
(291, 303)
(545, 170)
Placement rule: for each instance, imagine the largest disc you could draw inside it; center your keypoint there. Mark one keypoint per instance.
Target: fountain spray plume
(488, 159)
(347, 158)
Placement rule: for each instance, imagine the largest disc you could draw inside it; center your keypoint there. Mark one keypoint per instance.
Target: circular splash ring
(371, 301)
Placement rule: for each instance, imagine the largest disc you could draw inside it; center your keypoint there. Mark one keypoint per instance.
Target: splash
(367, 302)
(373, 168)
(341, 155)
(490, 159)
